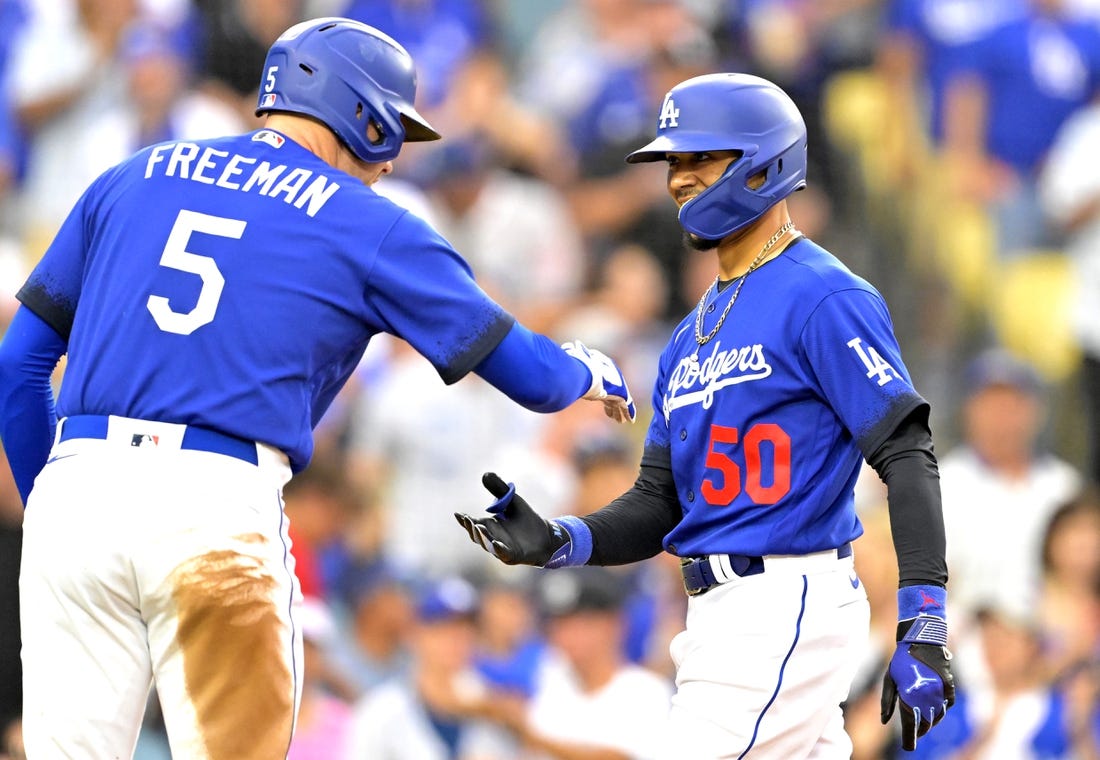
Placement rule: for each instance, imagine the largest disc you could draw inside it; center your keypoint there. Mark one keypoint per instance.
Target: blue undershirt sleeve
(534, 371)
(28, 355)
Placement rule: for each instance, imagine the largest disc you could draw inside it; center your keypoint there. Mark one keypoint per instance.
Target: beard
(696, 243)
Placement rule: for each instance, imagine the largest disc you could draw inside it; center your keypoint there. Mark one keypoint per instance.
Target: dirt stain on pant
(234, 649)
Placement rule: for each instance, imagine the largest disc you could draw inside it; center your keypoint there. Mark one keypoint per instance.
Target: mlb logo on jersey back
(877, 367)
(273, 139)
(670, 114)
(144, 439)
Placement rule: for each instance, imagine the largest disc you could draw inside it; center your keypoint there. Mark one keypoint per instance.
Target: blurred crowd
(954, 163)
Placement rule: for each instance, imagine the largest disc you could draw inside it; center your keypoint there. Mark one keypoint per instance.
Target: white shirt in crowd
(995, 527)
(628, 714)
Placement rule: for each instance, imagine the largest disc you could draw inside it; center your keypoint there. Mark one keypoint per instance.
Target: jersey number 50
(763, 437)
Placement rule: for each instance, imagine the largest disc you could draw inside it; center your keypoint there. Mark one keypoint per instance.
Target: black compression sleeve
(907, 465)
(633, 526)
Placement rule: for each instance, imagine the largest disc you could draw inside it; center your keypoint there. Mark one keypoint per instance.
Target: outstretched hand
(608, 383)
(513, 532)
(516, 535)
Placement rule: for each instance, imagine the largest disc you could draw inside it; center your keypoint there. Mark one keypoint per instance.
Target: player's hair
(737, 112)
(348, 76)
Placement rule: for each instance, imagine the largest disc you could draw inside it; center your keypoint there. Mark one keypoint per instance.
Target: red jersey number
(721, 488)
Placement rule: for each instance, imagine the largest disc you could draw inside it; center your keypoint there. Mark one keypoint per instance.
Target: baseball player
(768, 396)
(212, 297)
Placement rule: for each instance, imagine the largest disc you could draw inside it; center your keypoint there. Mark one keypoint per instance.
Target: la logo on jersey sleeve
(877, 367)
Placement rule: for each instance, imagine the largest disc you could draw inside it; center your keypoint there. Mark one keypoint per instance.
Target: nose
(680, 177)
(681, 182)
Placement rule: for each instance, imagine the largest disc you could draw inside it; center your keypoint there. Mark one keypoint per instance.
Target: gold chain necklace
(701, 339)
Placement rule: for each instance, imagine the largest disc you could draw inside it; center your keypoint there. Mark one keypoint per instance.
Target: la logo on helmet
(670, 114)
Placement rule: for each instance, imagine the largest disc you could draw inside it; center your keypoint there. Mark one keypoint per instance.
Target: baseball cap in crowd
(446, 599)
(363, 580)
(998, 367)
(147, 39)
(580, 589)
(1018, 610)
(457, 159)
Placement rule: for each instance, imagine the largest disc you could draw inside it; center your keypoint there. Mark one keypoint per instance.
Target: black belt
(699, 574)
(194, 438)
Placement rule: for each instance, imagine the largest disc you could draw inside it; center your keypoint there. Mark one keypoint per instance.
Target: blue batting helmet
(732, 112)
(348, 75)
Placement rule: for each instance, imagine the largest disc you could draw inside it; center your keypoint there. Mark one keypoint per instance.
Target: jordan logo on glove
(927, 602)
(918, 680)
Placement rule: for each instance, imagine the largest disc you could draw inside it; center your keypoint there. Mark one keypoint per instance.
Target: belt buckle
(688, 566)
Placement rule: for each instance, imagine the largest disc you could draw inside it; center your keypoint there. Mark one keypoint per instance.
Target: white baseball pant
(766, 660)
(143, 561)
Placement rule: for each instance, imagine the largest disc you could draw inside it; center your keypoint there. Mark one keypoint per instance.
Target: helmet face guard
(348, 76)
(732, 112)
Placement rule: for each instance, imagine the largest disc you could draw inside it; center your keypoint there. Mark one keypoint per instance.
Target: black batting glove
(919, 675)
(516, 535)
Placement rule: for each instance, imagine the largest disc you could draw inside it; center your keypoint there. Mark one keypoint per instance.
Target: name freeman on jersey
(720, 369)
(236, 172)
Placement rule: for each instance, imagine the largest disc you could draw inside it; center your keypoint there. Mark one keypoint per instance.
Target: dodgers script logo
(695, 382)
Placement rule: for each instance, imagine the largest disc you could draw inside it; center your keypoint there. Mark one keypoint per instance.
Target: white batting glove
(608, 384)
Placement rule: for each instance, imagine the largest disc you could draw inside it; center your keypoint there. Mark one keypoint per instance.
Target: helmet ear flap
(736, 200)
(726, 206)
(374, 131)
(379, 130)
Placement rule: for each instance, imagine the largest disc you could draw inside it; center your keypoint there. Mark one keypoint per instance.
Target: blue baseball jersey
(944, 30)
(765, 425)
(1037, 70)
(234, 283)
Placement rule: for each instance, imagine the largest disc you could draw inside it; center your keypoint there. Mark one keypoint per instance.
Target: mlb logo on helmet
(267, 100)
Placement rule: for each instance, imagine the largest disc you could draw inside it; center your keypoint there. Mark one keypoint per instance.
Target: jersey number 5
(721, 490)
(176, 256)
